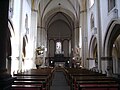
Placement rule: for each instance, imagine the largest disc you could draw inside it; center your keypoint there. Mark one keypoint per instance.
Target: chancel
(59, 45)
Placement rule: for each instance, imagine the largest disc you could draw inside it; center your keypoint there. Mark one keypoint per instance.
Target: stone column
(84, 41)
(3, 33)
(33, 32)
(76, 36)
(99, 36)
(43, 43)
(5, 78)
(109, 66)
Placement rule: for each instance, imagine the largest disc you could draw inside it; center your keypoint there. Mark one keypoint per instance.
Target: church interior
(59, 45)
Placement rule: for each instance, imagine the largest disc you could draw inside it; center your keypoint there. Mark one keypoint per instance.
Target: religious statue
(76, 58)
(39, 57)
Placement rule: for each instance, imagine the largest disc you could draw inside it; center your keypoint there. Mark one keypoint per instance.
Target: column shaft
(4, 4)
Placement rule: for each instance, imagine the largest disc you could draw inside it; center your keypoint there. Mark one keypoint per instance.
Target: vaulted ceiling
(58, 13)
(46, 8)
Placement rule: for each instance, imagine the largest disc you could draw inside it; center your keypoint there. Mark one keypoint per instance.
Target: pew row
(82, 79)
(34, 79)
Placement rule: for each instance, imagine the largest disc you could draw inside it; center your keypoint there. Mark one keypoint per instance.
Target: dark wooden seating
(98, 87)
(26, 87)
(93, 82)
(82, 79)
(36, 72)
(34, 79)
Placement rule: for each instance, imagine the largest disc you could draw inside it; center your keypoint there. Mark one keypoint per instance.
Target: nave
(68, 33)
(64, 79)
(59, 81)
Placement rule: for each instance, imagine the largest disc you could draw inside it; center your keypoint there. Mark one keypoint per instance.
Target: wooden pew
(33, 79)
(100, 86)
(78, 71)
(82, 79)
(70, 72)
(36, 72)
(26, 87)
(94, 82)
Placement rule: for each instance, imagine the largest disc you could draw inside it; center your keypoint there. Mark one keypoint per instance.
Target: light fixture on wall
(114, 45)
(51, 61)
(68, 61)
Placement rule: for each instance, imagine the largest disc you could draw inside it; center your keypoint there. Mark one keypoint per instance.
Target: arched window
(92, 21)
(111, 5)
(58, 47)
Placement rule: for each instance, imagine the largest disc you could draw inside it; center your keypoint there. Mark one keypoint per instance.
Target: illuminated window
(111, 5)
(58, 47)
(91, 2)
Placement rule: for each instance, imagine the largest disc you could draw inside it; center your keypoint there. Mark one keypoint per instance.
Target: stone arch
(93, 62)
(10, 34)
(111, 34)
(25, 41)
(55, 10)
(92, 46)
(113, 31)
(69, 18)
(51, 47)
(65, 47)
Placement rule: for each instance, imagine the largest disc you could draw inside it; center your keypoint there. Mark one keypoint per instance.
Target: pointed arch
(112, 33)
(25, 41)
(93, 47)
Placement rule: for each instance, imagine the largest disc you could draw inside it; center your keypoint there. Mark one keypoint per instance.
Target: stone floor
(59, 82)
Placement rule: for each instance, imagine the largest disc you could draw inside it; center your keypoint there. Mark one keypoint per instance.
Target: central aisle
(59, 81)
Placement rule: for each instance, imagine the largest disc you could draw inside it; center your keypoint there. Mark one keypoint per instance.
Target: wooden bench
(82, 79)
(77, 81)
(26, 87)
(36, 79)
(70, 72)
(95, 86)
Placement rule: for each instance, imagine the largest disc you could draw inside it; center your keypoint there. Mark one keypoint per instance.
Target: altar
(59, 61)
(59, 58)
(59, 64)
